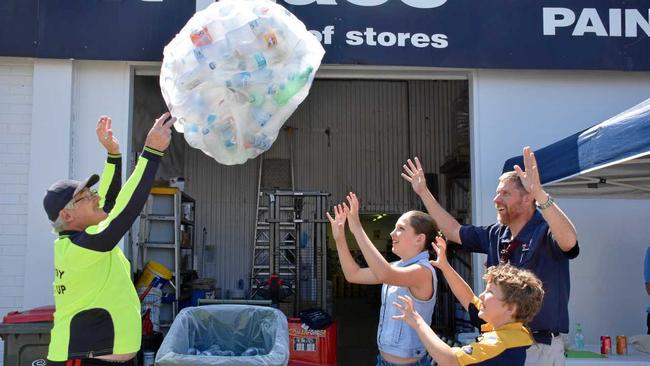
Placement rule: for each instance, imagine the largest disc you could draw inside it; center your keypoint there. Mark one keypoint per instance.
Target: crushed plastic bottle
(261, 116)
(254, 351)
(239, 80)
(294, 83)
(227, 132)
(260, 141)
(192, 135)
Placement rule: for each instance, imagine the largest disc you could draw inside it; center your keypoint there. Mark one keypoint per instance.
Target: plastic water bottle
(216, 53)
(256, 99)
(239, 80)
(261, 116)
(242, 40)
(256, 61)
(579, 338)
(201, 37)
(259, 141)
(192, 135)
(211, 119)
(191, 79)
(226, 130)
(261, 76)
(294, 83)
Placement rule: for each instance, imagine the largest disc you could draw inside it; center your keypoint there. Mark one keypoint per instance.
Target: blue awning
(609, 159)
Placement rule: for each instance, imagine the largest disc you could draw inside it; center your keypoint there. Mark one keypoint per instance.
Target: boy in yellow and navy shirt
(511, 299)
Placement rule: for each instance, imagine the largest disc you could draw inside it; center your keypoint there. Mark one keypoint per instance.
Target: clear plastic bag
(235, 328)
(235, 73)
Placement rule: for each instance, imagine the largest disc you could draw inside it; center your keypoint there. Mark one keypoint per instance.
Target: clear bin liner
(231, 327)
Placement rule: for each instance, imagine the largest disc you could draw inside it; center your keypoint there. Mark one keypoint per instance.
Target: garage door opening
(348, 135)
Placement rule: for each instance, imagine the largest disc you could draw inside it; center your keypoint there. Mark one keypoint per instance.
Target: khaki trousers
(546, 355)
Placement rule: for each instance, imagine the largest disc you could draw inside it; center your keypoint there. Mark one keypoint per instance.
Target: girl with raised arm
(412, 275)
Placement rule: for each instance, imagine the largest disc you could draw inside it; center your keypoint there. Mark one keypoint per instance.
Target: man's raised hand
(160, 134)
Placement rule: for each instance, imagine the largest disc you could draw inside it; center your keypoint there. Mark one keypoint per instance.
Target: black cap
(61, 192)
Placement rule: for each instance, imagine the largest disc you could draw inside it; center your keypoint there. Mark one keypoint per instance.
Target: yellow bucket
(154, 275)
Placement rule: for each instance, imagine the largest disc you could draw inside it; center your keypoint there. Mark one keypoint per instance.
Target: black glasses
(91, 194)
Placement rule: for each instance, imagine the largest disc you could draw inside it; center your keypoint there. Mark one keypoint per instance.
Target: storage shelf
(163, 229)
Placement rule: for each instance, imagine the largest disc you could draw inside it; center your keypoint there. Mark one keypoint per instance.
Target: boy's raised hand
(440, 246)
(338, 221)
(409, 315)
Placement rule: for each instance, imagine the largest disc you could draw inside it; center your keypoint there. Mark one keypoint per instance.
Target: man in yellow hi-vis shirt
(97, 318)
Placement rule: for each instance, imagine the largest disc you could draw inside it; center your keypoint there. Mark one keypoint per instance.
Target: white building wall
(15, 124)
(100, 88)
(512, 109)
(49, 161)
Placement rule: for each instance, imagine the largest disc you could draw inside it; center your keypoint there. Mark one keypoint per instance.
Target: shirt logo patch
(468, 350)
(491, 339)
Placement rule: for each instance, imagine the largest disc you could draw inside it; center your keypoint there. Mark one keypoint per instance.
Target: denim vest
(395, 337)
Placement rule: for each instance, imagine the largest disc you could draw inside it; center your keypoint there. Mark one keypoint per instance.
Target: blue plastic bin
(231, 327)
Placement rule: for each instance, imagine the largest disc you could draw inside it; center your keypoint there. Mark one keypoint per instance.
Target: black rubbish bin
(26, 336)
(231, 328)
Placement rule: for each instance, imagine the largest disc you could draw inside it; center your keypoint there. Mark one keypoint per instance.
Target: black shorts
(90, 362)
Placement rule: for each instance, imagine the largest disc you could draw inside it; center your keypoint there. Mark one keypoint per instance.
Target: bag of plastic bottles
(235, 73)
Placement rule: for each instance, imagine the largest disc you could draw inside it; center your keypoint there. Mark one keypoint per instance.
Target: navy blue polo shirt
(539, 253)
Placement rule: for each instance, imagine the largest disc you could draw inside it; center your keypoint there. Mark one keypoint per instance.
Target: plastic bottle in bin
(579, 338)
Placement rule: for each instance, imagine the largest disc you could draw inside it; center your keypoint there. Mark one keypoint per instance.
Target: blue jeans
(424, 361)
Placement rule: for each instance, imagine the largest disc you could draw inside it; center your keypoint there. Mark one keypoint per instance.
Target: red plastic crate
(311, 347)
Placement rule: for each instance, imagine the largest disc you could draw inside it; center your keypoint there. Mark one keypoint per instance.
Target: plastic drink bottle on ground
(579, 338)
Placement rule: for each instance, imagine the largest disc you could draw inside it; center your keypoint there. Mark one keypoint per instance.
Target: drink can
(621, 345)
(149, 358)
(605, 345)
